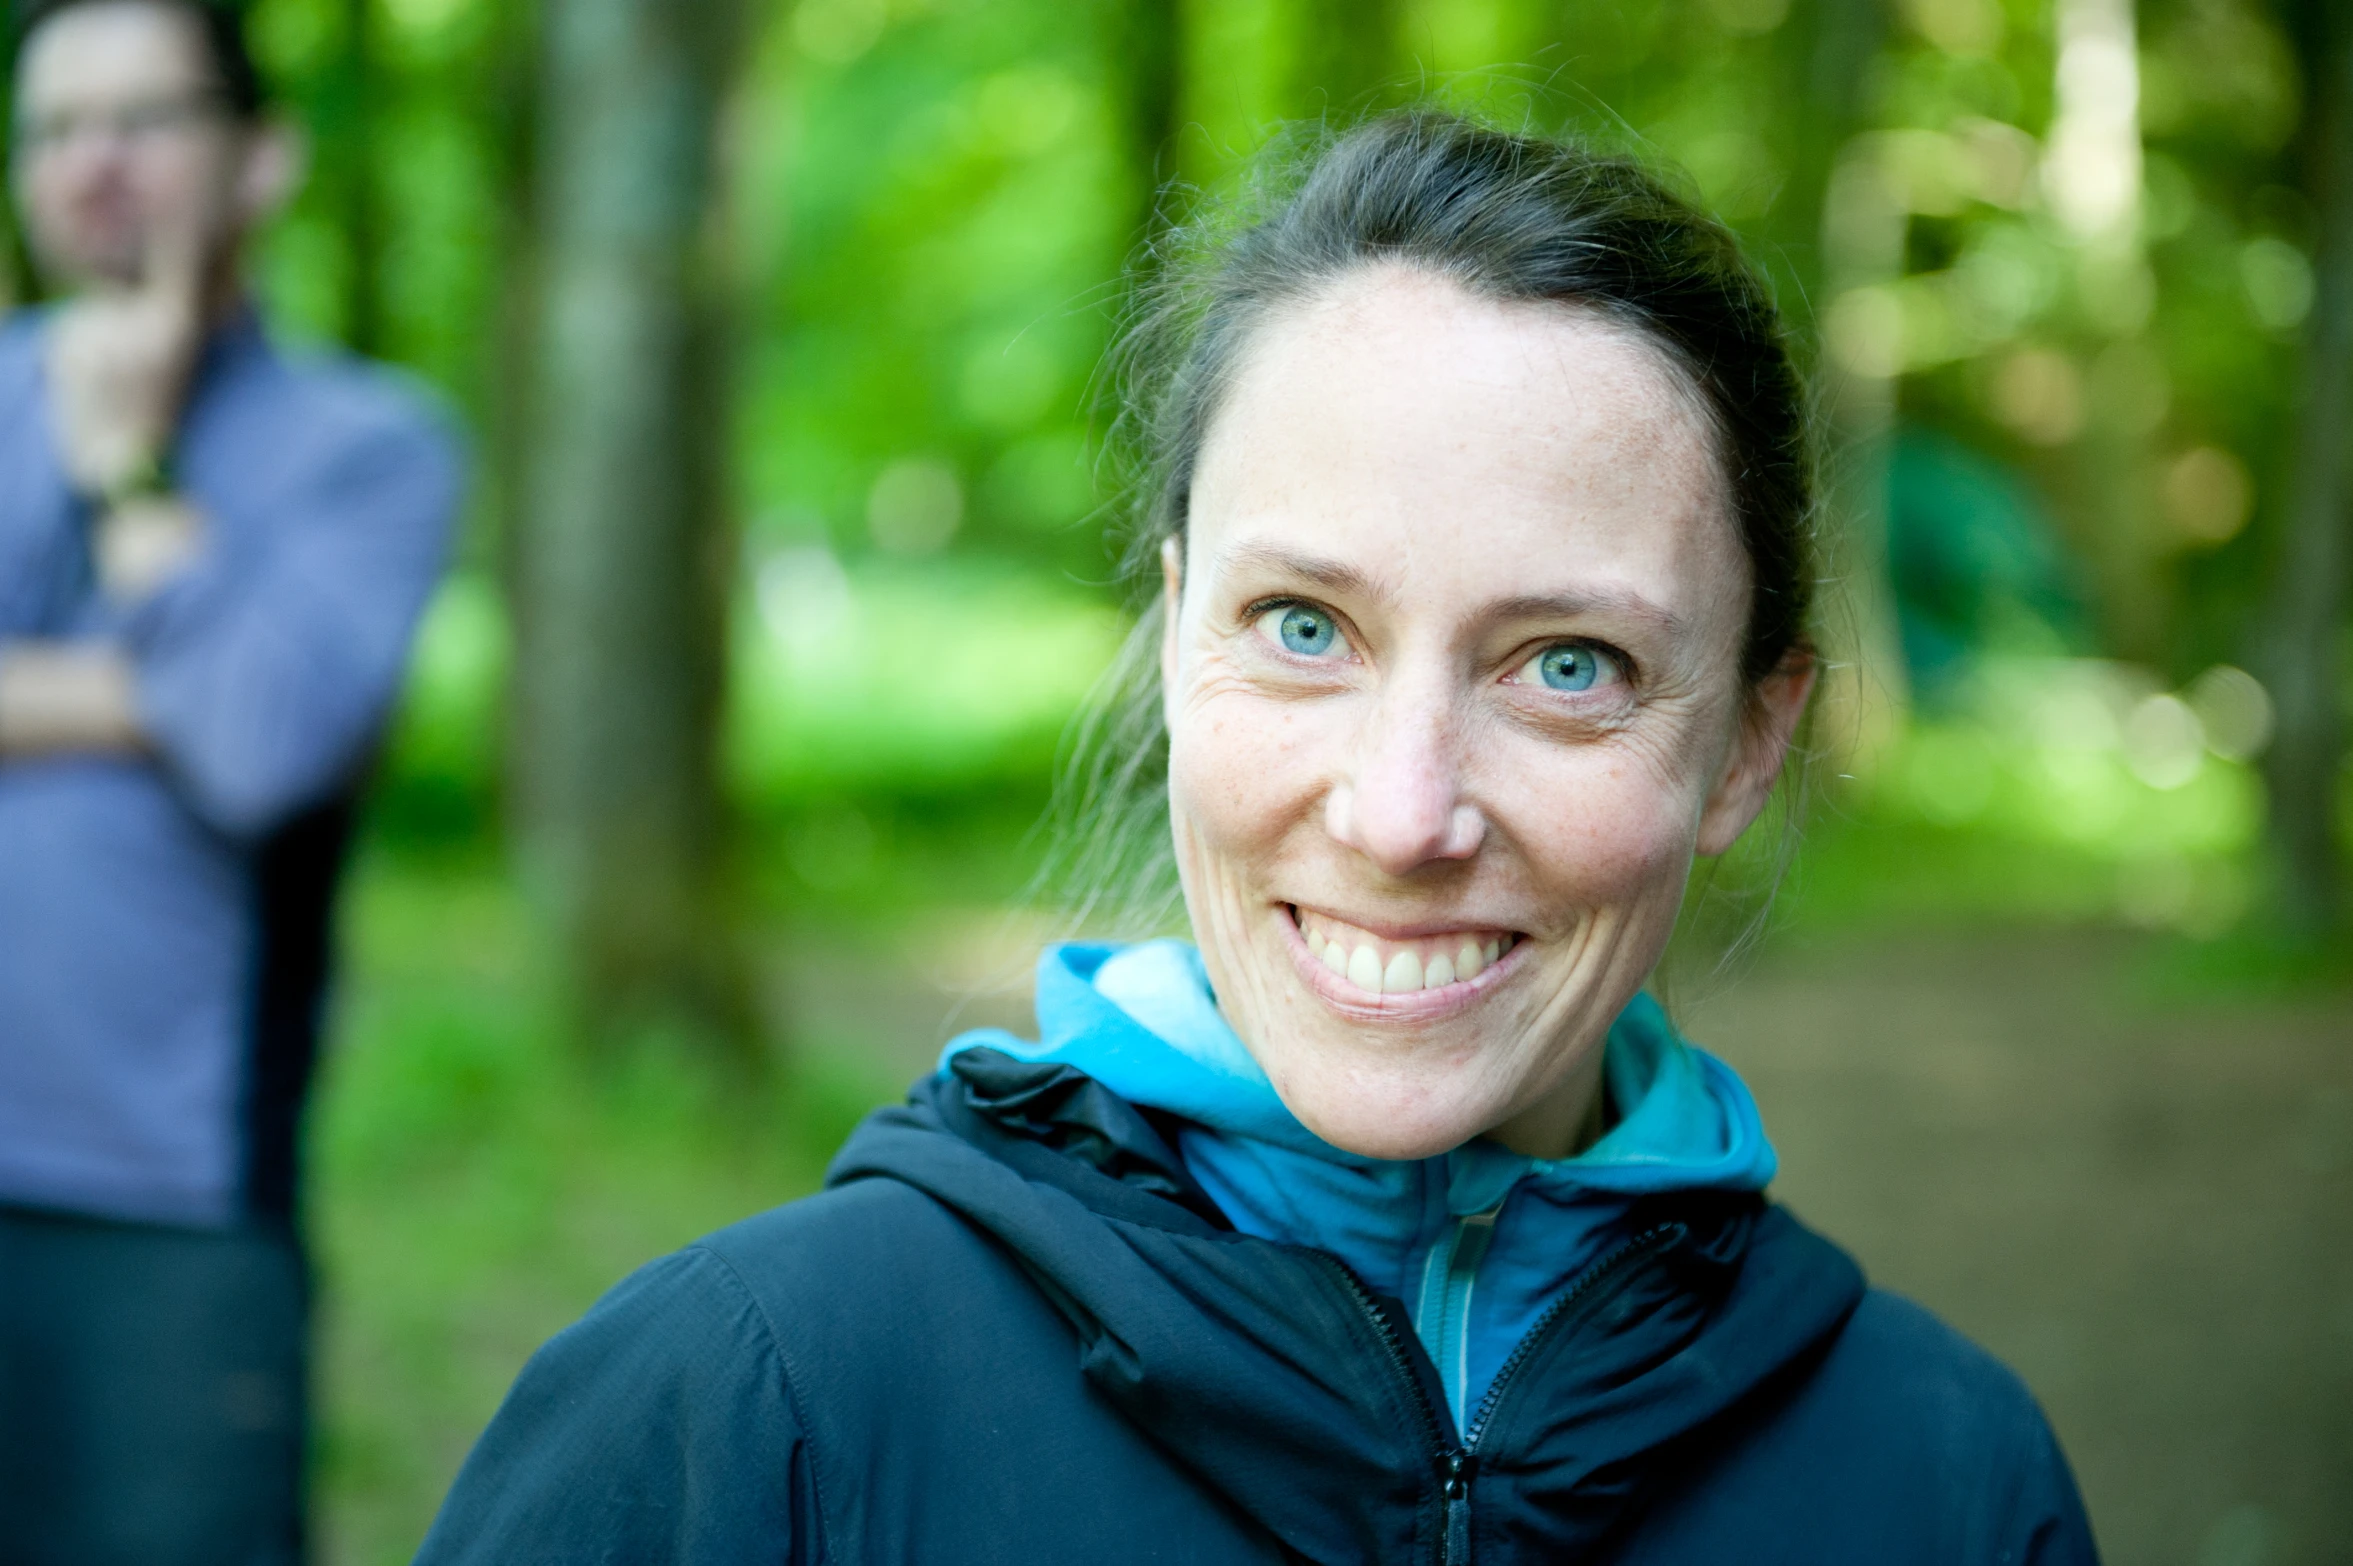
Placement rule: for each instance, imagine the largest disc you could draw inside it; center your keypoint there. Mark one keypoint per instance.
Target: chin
(110, 266)
(1371, 1124)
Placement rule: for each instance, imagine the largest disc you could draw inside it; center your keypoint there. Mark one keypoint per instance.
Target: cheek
(1602, 832)
(181, 176)
(48, 187)
(1241, 771)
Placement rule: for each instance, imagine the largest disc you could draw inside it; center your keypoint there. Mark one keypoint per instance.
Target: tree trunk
(359, 88)
(1836, 228)
(623, 557)
(1343, 53)
(510, 82)
(1827, 49)
(2092, 171)
(2303, 625)
(1146, 47)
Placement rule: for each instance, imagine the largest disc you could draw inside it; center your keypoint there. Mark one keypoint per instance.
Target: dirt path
(2146, 1209)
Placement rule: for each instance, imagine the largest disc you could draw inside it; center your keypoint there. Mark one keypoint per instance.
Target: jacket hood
(1478, 1241)
(1274, 1373)
(1141, 1020)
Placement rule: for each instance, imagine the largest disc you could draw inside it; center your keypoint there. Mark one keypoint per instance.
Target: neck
(212, 299)
(1565, 1121)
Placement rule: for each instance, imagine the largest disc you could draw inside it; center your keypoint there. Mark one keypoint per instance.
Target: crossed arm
(82, 696)
(67, 697)
(258, 652)
(118, 367)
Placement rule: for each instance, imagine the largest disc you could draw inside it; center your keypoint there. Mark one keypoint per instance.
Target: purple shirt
(135, 894)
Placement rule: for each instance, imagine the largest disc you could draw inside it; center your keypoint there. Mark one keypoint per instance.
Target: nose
(1401, 805)
(93, 164)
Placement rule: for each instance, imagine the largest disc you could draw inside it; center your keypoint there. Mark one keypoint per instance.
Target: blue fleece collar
(1141, 1020)
(1476, 1241)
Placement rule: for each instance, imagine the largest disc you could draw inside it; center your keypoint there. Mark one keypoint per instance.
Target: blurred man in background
(211, 563)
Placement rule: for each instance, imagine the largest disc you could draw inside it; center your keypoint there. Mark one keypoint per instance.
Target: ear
(1172, 584)
(277, 156)
(1767, 727)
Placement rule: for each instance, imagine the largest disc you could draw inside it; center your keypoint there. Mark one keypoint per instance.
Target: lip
(1418, 1006)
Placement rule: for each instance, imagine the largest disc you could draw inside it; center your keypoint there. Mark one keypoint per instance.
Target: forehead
(1409, 426)
(107, 50)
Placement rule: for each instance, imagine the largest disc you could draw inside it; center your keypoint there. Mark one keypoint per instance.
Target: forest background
(718, 785)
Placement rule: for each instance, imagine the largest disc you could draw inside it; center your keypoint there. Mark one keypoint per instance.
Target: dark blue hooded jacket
(1013, 1329)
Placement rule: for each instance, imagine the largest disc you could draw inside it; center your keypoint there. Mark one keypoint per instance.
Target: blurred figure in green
(1977, 565)
(211, 563)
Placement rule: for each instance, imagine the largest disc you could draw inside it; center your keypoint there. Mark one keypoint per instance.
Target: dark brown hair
(1510, 217)
(1516, 218)
(221, 24)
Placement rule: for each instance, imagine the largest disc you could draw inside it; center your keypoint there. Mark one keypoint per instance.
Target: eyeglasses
(141, 122)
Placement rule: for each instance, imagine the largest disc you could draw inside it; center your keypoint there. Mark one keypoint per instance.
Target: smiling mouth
(1375, 966)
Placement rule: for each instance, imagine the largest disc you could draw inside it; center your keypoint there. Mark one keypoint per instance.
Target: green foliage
(930, 206)
(940, 208)
(906, 679)
(932, 201)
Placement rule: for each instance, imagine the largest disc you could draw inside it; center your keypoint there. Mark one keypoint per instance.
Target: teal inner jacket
(1476, 1242)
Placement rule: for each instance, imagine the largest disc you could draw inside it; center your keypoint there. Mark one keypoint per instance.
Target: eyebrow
(1338, 576)
(1333, 575)
(1620, 601)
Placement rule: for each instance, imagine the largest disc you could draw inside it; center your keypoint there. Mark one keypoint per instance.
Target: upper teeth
(1381, 967)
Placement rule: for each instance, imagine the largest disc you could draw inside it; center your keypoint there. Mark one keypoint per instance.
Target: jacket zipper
(1457, 1463)
(1452, 1461)
(1642, 1245)
(1448, 1281)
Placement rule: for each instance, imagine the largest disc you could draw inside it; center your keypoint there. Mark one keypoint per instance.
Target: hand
(144, 542)
(67, 697)
(119, 364)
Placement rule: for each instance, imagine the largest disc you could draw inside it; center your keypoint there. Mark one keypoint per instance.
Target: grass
(475, 1189)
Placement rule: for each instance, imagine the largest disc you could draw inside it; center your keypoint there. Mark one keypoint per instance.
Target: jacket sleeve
(659, 1428)
(264, 679)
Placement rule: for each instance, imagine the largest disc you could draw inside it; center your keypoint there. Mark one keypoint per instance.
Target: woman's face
(1453, 698)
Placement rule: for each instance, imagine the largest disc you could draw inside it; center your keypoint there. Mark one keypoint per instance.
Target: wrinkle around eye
(1219, 674)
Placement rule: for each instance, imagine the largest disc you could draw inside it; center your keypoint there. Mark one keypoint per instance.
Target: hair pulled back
(1518, 219)
(1511, 217)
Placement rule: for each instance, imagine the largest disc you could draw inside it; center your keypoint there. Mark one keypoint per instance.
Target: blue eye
(1307, 632)
(1574, 666)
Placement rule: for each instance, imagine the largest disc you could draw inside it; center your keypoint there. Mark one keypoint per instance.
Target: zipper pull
(1454, 1469)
